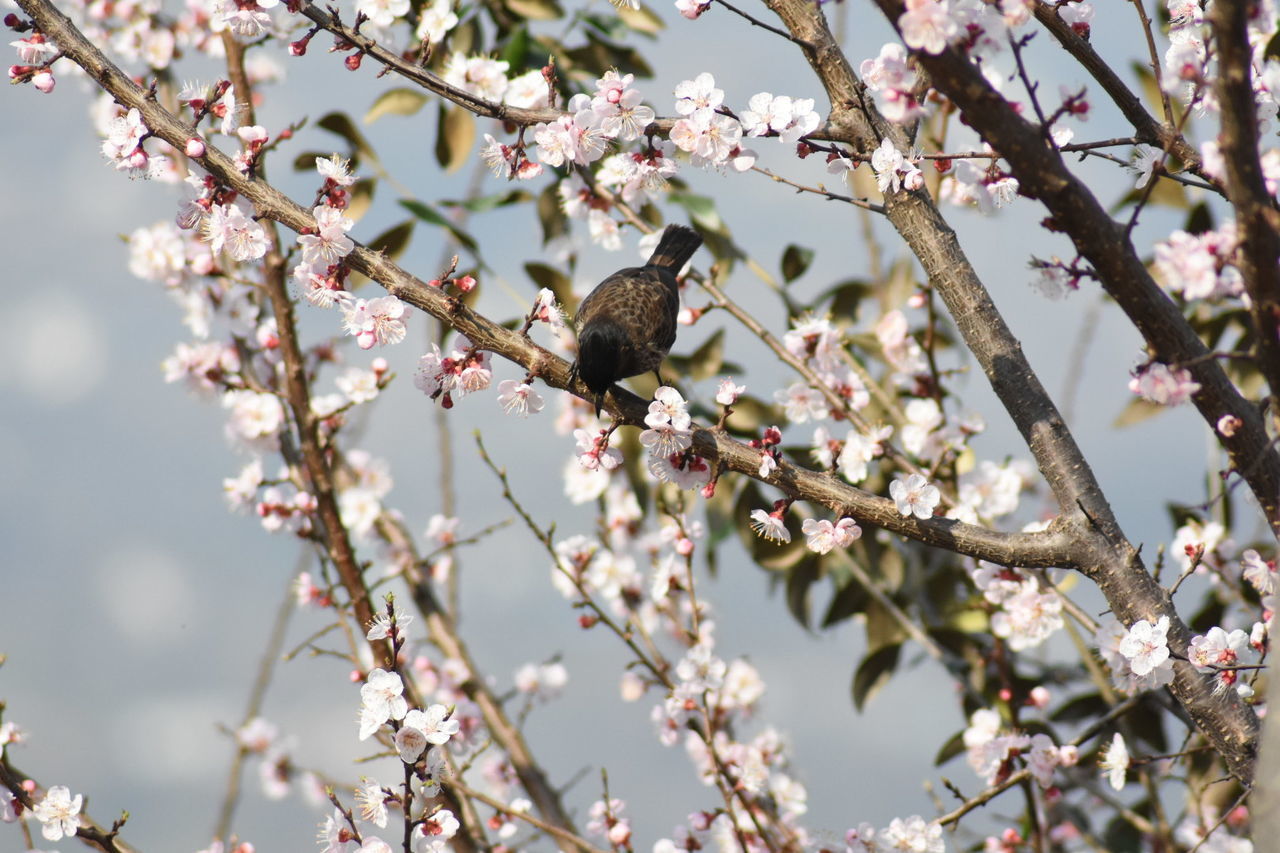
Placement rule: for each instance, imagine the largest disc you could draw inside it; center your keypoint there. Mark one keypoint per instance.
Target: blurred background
(134, 608)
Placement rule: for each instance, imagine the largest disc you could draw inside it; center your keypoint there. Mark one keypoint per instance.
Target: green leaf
(848, 601)
(360, 197)
(800, 579)
(516, 51)
(708, 358)
(486, 203)
(1121, 837)
(719, 515)
(873, 673)
(845, 297)
(702, 210)
(455, 137)
(431, 216)
(306, 161)
(881, 626)
(1136, 411)
(795, 260)
(642, 20)
(399, 101)
(552, 279)
(949, 750)
(598, 56)
(391, 243)
(550, 215)
(394, 240)
(1199, 219)
(342, 125)
(1087, 707)
(535, 10)
(751, 415)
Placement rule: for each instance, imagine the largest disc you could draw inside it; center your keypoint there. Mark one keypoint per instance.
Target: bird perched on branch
(626, 326)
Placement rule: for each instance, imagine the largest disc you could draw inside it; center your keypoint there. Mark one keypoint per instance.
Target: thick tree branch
(1146, 127)
(1039, 550)
(1257, 221)
(1043, 175)
(1101, 549)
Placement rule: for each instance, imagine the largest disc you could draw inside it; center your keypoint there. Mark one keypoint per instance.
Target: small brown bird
(626, 326)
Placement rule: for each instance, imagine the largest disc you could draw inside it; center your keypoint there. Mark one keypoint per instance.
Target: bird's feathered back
(627, 324)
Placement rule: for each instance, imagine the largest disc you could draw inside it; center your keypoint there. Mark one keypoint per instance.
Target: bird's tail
(676, 247)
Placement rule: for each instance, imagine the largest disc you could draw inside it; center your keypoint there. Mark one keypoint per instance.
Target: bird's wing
(639, 299)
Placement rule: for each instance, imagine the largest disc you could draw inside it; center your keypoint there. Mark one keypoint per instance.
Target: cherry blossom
(435, 21)
(1146, 645)
(769, 525)
(571, 138)
(928, 25)
(727, 393)
(698, 94)
(823, 536)
(375, 322)
(518, 398)
(58, 813)
(1115, 761)
(432, 835)
(617, 107)
(228, 228)
(711, 138)
(381, 700)
(1216, 648)
(914, 834)
(1158, 383)
(330, 242)
(479, 75)
(914, 495)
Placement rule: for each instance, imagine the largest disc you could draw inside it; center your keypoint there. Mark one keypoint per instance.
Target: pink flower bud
(195, 147)
(466, 284)
(18, 70)
(353, 61)
(298, 48)
(44, 81)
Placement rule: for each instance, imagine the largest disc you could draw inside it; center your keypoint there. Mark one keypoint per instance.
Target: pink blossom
(769, 525)
(1158, 384)
(698, 94)
(518, 398)
(928, 25)
(1146, 646)
(228, 228)
(914, 495)
(728, 393)
(374, 322)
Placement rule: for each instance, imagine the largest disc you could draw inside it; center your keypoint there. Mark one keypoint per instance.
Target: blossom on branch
(914, 495)
(58, 813)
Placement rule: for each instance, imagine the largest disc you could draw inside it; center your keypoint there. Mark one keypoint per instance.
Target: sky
(135, 607)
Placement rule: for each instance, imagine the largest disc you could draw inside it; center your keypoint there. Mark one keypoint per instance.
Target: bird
(627, 324)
